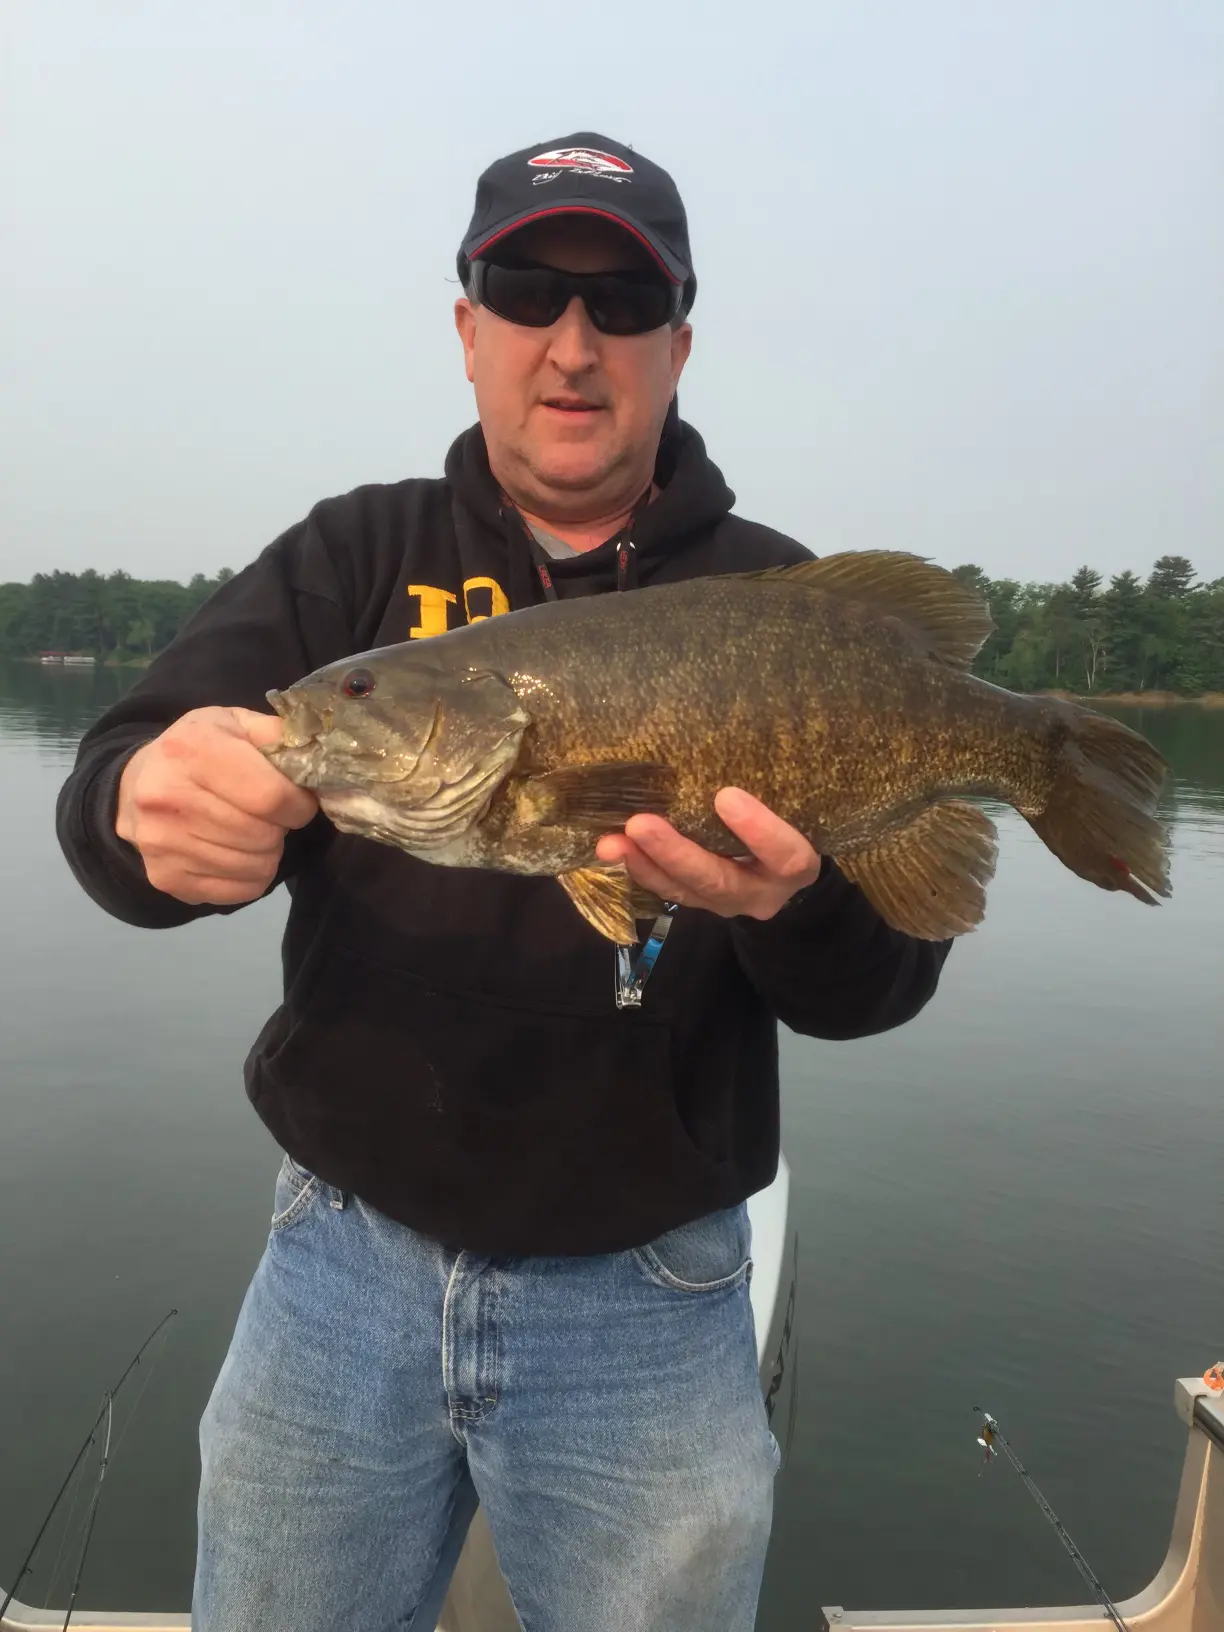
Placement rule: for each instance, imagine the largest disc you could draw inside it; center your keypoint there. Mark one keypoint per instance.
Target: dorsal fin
(953, 618)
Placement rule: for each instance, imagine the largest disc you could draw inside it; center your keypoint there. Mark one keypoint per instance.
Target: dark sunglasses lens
(531, 295)
(536, 296)
(628, 305)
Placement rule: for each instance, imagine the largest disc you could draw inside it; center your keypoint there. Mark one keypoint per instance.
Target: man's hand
(677, 870)
(207, 811)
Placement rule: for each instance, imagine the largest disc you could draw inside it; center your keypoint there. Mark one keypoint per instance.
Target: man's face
(571, 415)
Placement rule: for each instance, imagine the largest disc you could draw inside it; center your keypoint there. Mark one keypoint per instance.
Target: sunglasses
(535, 296)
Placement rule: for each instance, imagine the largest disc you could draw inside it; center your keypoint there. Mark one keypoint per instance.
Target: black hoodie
(449, 1047)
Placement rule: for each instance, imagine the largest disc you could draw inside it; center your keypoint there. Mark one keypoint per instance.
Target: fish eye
(358, 683)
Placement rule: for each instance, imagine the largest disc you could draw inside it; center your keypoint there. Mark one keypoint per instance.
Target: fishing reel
(988, 1435)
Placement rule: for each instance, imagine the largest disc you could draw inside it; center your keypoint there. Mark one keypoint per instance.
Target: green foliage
(113, 617)
(1165, 635)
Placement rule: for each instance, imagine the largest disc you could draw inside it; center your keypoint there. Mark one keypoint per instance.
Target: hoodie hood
(693, 498)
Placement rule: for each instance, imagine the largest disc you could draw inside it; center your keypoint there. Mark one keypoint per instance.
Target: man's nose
(574, 342)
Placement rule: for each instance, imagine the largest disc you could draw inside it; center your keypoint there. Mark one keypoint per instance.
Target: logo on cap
(585, 161)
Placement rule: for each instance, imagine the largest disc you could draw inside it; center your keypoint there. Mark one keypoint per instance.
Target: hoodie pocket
(489, 1123)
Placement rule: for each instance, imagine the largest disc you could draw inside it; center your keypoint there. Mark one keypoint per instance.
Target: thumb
(260, 730)
(297, 806)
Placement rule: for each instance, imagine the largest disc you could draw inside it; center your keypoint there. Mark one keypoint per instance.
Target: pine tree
(1171, 577)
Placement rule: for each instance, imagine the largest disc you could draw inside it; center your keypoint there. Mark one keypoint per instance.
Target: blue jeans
(606, 1411)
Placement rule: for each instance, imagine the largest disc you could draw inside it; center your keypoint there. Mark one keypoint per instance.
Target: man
(509, 1252)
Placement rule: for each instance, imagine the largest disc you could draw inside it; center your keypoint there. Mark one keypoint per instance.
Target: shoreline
(1122, 699)
(1137, 699)
(98, 662)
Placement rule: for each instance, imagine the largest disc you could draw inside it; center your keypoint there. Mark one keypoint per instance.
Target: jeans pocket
(296, 1188)
(710, 1254)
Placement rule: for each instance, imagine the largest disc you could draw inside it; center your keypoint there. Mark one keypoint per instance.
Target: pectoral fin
(929, 879)
(610, 901)
(600, 797)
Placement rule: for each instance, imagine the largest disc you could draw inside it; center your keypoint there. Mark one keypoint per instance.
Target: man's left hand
(781, 862)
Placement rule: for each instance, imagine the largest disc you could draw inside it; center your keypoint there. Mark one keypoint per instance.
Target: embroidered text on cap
(588, 161)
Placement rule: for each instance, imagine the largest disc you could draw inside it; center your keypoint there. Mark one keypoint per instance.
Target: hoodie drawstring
(631, 972)
(512, 519)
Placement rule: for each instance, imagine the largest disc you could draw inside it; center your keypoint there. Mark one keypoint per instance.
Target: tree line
(1165, 633)
(115, 618)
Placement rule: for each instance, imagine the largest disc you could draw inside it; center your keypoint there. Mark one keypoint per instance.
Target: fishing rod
(108, 1407)
(992, 1434)
(105, 1413)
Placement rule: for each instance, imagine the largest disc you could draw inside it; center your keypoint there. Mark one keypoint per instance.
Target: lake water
(1015, 1201)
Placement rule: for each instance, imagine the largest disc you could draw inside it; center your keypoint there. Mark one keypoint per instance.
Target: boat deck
(1187, 1594)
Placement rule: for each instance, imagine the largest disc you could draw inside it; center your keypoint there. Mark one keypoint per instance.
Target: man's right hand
(207, 812)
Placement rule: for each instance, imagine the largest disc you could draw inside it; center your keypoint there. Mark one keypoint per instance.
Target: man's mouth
(572, 405)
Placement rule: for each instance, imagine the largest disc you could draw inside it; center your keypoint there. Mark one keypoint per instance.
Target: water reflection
(1190, 737)
(55, 704)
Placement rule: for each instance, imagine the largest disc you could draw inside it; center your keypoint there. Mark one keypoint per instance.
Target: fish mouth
(317, 751)
(303, 722)
(420, 783)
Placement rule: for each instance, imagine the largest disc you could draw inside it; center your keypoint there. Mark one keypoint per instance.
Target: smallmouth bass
(836, 691)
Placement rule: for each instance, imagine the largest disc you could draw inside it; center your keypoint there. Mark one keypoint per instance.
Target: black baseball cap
(583, 174)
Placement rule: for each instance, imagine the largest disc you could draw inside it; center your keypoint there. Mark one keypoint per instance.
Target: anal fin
(610, 901)
(928, 879)
(601, 797)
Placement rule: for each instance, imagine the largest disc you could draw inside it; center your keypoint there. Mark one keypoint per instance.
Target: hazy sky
(961, 262)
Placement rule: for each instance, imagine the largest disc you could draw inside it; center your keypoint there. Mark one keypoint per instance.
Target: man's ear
(465, 323)
(681, 345)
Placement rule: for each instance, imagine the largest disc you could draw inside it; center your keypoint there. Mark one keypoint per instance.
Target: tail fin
(1100, 817)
